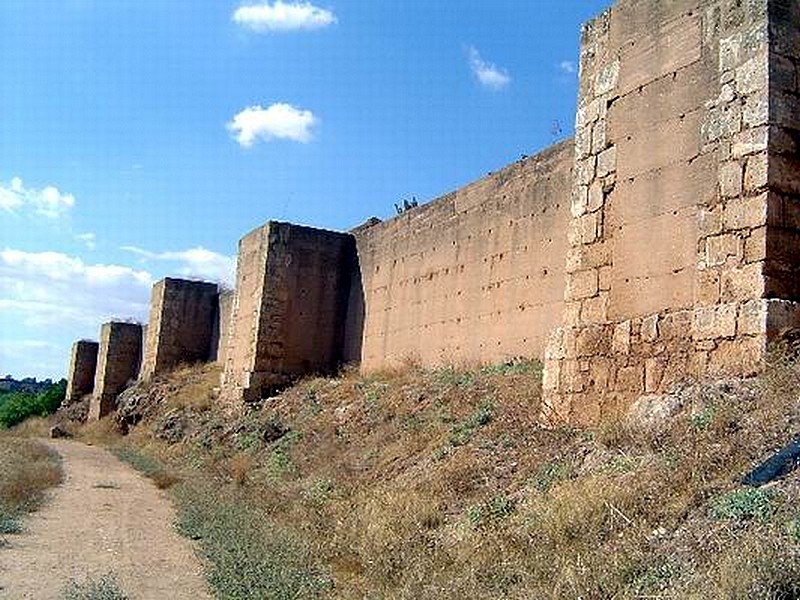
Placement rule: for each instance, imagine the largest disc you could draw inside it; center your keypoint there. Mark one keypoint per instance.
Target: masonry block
(118, 364)
(292, 287)
(183, 317)
(82, 366)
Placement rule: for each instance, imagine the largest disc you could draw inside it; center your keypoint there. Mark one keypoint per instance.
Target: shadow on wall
(355, 311)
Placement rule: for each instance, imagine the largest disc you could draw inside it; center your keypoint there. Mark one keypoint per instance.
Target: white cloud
(87, 238)
(195, 262)
(283, 16)
(567, 66)
(49, 288)
(48, 201)
(488, 74)
(279, 121)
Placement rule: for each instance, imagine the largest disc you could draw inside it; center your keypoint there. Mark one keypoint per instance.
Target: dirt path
(104, 518)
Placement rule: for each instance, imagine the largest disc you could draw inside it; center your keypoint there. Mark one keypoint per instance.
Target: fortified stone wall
(222, 325)
(670, 273)
(475, 276)
(292, 284)
(117, 364)
(660, 244)
(183, 316)
(82, 366)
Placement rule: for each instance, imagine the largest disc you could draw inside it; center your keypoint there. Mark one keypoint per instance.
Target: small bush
(320, 491)
(9, 523)
(280, 459)
(105, 588)
(744, 505)
(703, 419)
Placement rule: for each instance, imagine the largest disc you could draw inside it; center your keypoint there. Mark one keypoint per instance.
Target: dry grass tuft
(102, 433)
(27, 470)
(34, 427)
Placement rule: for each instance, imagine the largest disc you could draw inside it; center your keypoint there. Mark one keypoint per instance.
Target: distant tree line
(16, 406)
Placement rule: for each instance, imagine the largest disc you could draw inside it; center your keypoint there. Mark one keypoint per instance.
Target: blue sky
(143, 138)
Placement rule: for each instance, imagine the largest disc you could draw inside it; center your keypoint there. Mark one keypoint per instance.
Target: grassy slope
(439, 484)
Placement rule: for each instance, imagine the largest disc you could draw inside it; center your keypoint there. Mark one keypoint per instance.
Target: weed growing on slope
(462, 433)
(104, 588)
(745, 504)
(551, 473)
(9, 522)
(491, 511)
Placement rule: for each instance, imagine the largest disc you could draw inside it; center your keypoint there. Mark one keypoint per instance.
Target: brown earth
(105, 518)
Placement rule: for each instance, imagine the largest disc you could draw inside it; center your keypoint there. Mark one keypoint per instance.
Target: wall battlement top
(180, 282)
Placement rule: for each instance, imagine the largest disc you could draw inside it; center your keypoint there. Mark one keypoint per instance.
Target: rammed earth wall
(475, 276)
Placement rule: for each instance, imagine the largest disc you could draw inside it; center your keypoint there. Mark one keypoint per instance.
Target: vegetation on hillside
(441, 484)
(16, 407)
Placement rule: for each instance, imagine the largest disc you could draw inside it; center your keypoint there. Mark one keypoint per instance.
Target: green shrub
(320, 491)
(9, 522)
(551, 473)
(462, 433)
(744, 505)
(280, 458)
(703, 419)
(492, 511)
(19, 406)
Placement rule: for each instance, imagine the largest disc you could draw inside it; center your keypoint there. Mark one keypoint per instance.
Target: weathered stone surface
(118, 363)
(653, 412)
(731, 179)
(82, 367)
(593, 340)
(289, 313)
(714, 322)
(649, 329)
(181, 327)
(583, 284)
